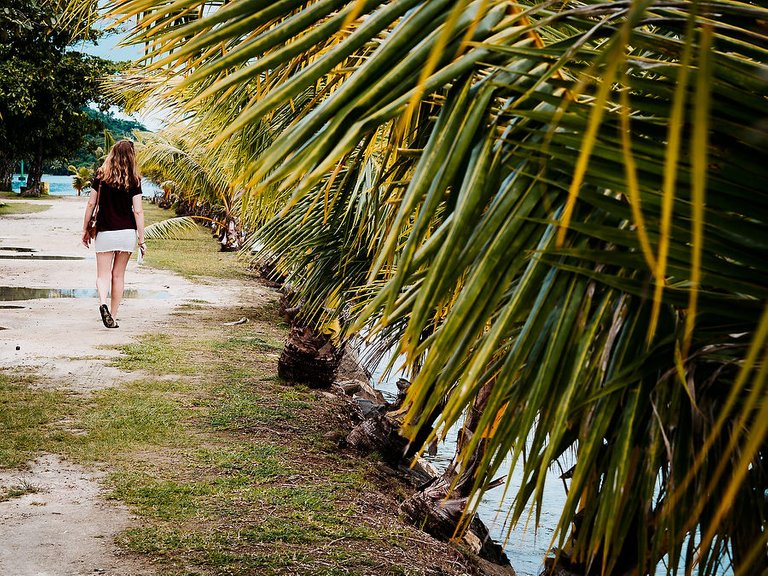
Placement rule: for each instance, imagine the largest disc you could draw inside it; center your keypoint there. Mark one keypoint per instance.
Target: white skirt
(116, 241)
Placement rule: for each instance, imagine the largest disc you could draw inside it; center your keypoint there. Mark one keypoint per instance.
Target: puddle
(11, 293)
(34, 257)
(16, 249)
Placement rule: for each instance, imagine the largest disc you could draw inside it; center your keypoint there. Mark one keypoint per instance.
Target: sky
(109, 47)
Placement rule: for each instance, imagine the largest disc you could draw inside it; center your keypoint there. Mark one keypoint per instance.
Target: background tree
(44, 87)
(81, 178)
(93, 148)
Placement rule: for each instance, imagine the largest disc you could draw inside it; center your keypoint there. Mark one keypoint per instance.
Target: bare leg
(103, 274)
(118, 280)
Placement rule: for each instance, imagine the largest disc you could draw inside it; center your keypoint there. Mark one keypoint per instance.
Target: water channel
(16, 293)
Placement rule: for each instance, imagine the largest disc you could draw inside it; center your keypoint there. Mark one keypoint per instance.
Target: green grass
(160, 498)
(258, 462)
(18, 490)
(243, 408)
(17, 196)
(195, 255)
(229, 469)
(13, 208)
(27, 419)
(120, 420)
(156, 354)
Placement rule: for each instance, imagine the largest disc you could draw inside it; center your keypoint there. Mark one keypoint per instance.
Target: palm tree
(559, 204)
(81, 178)
(204, 186)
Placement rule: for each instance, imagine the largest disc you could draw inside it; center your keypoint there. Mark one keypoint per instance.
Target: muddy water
(40, 257)
(14, 293)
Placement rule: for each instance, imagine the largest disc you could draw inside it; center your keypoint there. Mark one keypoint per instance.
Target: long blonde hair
(119, 169)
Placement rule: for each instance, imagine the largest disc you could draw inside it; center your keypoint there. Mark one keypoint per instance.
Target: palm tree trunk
(439, 507)
(230, 235)
(309, 357)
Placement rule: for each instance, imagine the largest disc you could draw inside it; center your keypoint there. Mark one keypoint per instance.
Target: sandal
(106, 317)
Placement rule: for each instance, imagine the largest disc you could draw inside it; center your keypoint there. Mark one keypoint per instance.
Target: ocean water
(62, 185)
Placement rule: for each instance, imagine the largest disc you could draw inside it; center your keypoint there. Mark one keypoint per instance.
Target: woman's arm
(89, 208)
(138, 212)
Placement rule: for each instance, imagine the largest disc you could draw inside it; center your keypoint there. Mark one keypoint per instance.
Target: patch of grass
(223, 551)
(118, 419)
(17, 196)
(8, 209)
(259, 462)
(156, 354)
(160, 498)
(276, 529)
(238, 406)
(196, 254)
(18, 490)
(27, 417)
(159, 540)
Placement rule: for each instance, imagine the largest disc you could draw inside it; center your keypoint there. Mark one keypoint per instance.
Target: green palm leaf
(173, 228)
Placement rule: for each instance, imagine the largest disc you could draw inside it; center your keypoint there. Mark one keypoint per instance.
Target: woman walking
(120, 220)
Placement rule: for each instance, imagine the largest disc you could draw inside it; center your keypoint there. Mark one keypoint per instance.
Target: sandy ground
(64, 527)
(67, 528)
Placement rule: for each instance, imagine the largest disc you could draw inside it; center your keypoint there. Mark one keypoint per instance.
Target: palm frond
(174, 228)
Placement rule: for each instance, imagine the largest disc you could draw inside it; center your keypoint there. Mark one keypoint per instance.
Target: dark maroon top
(115, 206)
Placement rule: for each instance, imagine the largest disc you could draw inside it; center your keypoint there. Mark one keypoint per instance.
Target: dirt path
(63, 525)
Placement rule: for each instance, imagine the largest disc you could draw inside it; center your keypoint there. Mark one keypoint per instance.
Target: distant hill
(86, 156)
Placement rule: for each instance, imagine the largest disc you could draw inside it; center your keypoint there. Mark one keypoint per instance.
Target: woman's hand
(86, 238)
(143, 248)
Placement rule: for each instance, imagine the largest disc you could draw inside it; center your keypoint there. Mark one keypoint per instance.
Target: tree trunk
(439, 517)
(35, 175)
(439, 507)
(6, 172)
(309, 357)
(230, 235)
(380, 433)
